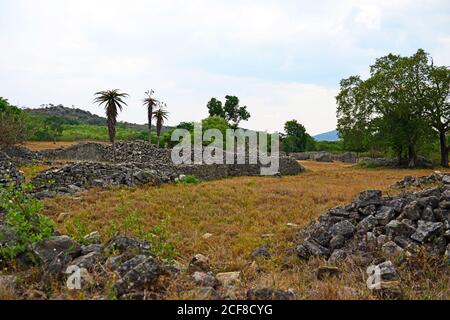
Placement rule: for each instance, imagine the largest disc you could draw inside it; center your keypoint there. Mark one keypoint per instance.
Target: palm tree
(113, 100)
(160, 116)
(150, 103)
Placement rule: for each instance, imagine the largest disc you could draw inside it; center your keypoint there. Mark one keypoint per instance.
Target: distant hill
(327, 136)
(79, 115)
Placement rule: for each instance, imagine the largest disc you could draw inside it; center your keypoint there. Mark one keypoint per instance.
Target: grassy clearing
(241, 214)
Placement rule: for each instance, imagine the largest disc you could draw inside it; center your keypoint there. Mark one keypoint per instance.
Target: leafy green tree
(113, 101)
(295, 138)
(231, 111)
(150, 103)
(384, 110)
(13, 124)
(160, 115)
(54, 127)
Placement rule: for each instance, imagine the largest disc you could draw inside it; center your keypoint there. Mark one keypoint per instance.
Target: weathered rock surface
(8, 172)
(269, 294)
(323, 156)
(372, 224)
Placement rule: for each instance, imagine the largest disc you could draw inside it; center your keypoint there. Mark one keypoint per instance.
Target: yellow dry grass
(43, 145)
(241, 214)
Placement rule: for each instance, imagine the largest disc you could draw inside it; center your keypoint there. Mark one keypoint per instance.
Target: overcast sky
(284, 59)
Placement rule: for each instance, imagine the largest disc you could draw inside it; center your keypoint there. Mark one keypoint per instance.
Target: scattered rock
(262, 251)
(138, 277)
(93, 238)
(88, 261)
(205, 279)
(199, 263)
(326, 272)
(59, 247)
(227, 279)
(344, 228)
(391, 248)
(269, 294)
(206, 236)
(425, 230)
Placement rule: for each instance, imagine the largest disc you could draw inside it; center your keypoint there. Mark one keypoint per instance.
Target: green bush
(189, 180)
(23, 218)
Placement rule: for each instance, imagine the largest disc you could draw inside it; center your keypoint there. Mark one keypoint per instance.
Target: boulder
(426, 229)
(137, 276)
(344, 228)
(367, 198)
(57, 247)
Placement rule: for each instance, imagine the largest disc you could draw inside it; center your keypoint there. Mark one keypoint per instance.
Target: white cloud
(283, 59)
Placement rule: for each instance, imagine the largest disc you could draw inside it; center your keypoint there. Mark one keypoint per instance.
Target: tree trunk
(114, 151)
(159, 135)
(399, 156)
(150, 115)
(444, 149)
(412, 156)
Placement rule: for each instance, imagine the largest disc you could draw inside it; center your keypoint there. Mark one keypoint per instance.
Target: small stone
(269, 294)
(344, 228)
(292, 225)
(367, 198)
(206, 236)
(337, 242)
(412, 211)
(63, 216)
(262, 251)
(382, 239)
(446, 179)
(367, 224)
(205, 279)
(227, 279)
(326, 272)
(93, 238)
(91, 248)
(321, 236)
(316, 249)
(428, 214)
(338, 256)
(385, 215)
(425, 230)
(88, 261)
(391, 248)
(199, 263)
(399, 228)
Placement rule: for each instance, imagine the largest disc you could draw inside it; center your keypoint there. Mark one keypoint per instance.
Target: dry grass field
(243, 213)
(42, 145)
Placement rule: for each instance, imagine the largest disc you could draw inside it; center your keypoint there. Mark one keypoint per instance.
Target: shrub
(189, 180)
(23, 218)
(161, 247)
(13, 124)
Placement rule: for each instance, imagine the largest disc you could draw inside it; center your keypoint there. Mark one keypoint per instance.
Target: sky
(283, 59)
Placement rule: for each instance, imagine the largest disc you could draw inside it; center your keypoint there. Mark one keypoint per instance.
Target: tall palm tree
(150, 103)
(113, 101)
(160, 115)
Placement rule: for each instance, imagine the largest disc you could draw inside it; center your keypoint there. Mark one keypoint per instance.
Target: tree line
(402, 107)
